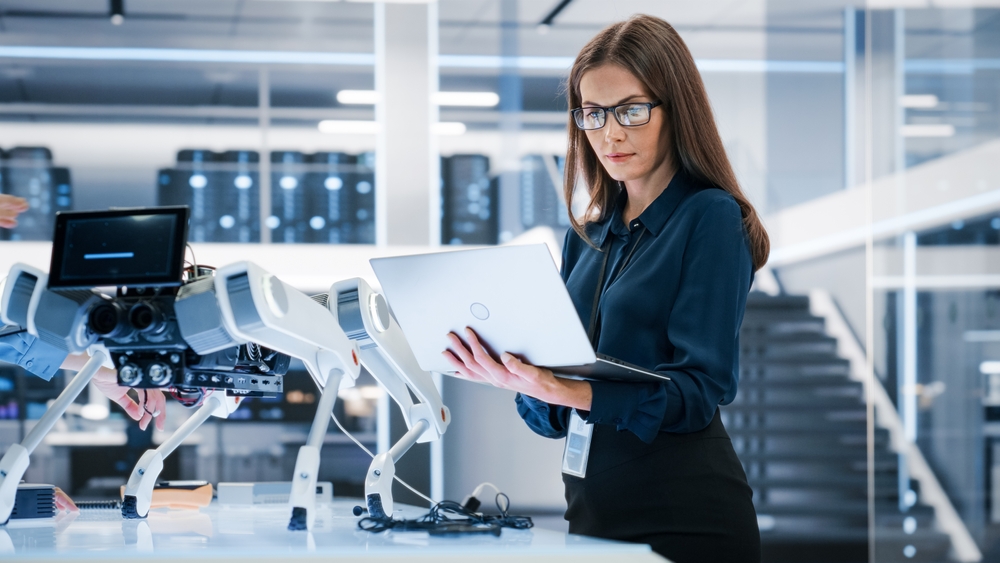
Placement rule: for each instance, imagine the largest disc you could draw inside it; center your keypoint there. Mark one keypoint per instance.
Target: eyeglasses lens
(589, 118)
(635, 114)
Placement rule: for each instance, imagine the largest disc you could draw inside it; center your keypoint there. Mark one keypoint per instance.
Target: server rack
(194, 183)
(237, 198)
(362, 200)
(541, 188)
(469, 201)
(27, 172)
(288, 214)
(327, 187)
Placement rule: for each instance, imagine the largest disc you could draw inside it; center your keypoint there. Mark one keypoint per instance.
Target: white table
(258, 533)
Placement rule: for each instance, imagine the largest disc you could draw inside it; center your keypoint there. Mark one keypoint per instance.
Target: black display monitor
(122, 247)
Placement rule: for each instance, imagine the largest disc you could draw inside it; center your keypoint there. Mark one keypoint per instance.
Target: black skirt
(685, 495)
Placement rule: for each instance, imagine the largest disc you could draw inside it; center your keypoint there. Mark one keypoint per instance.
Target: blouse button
(618, 421)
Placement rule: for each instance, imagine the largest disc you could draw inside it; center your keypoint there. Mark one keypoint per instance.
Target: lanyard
(592, 332)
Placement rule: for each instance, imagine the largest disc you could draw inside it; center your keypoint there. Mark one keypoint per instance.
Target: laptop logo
(480, 311)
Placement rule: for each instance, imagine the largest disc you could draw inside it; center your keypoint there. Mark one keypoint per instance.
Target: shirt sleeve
(703, 328)
(544, 419)
(31, 353)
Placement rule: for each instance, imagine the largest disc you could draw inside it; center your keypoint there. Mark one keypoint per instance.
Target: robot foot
(298, 521)
(375, 509)
(129, 510)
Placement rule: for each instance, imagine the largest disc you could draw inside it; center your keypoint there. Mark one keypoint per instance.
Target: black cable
(450, 517)
(551, 16)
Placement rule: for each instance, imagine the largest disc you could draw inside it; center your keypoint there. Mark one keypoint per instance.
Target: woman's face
(637, 155)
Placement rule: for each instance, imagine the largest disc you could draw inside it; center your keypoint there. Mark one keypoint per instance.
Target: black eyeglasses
(628, 115)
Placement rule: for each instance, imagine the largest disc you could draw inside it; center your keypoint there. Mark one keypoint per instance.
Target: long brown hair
(653, 52)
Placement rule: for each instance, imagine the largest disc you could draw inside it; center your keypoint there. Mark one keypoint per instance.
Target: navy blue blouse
(676, 308)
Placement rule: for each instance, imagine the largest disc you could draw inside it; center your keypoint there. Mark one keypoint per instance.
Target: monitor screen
(128, 247)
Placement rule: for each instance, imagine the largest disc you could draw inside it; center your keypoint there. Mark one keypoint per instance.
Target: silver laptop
(512, 296)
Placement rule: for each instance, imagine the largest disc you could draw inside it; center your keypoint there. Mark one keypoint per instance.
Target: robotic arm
(217, 338)
(365, 317)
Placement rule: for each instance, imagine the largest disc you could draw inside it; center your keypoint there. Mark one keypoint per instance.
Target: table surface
(248, 533)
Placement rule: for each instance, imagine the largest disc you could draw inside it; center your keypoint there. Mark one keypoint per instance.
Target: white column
(264, 168)
(407, 191)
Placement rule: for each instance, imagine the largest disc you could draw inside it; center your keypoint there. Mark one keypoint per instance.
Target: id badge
(577, 450)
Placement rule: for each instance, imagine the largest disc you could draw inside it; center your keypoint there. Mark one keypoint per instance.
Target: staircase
(799, 426)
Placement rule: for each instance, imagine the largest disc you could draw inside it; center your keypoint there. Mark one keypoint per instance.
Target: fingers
(63, 502)
(157, 404)
(519, 368)
(13, 203)
(459, 349)
(10, 207)
(461, 370)
(147, 413)
(131, 408)
(496, 373)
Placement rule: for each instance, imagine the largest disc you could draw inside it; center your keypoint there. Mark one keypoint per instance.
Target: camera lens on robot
(130, 374)
(145, 317)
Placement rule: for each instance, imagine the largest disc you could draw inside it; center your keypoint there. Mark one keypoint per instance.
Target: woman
(659, 272)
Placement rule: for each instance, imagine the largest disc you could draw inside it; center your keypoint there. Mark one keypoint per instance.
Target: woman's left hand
(474, 363)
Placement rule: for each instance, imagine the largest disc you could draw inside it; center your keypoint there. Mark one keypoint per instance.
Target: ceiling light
(929, 130)
(360, 97)
(339, 127)
(117, 12)
(449, 128)
(394, 1)
(919, 101)
(987, 368)
(336, 126)
(467, 99)
(471, 99)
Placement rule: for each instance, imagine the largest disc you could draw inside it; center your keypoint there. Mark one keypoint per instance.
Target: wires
(449, 517)
(429, 500)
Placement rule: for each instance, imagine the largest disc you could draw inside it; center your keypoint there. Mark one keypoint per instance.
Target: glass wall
(935, 304)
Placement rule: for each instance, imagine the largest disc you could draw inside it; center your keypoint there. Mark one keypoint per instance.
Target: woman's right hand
(10, 208)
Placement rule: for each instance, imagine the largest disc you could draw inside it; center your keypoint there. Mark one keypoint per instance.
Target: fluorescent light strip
(928, 130)
(187, 55)
(919, 101)
(464, 99)
(366, 59)
(339, 127)
(950, 66)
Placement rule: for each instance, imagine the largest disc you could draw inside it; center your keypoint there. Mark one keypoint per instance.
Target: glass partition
(935, 306)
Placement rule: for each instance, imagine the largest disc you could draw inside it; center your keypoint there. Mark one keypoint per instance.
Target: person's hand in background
(149, 404)
(10, 208)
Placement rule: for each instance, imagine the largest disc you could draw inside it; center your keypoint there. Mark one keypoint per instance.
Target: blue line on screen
(109, 255)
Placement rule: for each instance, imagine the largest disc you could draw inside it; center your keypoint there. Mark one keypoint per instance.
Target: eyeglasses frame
(611, 109)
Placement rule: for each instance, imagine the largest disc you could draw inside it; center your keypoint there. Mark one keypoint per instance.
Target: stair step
(795, 381)
(781, 322)
(886, 512)
(796, 522)
(757, 300)
(882, 458)
(797, 366)
(770, 393)
(734, 417)
(777, 399)
(849, 546)
(811, 348)
(772, 468)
